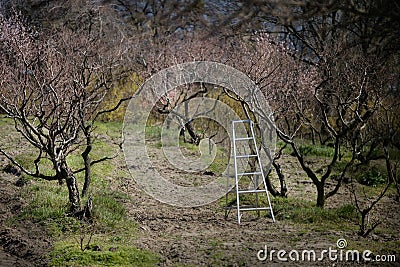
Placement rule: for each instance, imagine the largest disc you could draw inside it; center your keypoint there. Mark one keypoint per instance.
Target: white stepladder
(254, 174)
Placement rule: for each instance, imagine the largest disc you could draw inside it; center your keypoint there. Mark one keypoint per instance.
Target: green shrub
(372, 177)
(316, 150)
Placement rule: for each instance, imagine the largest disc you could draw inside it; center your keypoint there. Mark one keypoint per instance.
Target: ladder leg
(227, 198)
(226, 206)
(257, 198)
(238, 203)
(236, 173)
(271, 210)
(269, 201)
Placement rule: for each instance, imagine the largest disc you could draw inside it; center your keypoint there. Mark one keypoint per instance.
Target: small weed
(158, 145)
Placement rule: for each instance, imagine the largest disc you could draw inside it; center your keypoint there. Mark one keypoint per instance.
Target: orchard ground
(133, 229)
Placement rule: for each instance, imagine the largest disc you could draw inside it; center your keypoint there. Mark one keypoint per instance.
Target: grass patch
(67, 254)
(308, 149)
(188, 146)
(219, 164)
(109, 211)
(153, 133)
(112, 129)
(305, 212)
(113, 231)
(27, 160)
(48, 201)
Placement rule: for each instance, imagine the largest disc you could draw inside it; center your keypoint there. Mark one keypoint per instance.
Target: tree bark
(87, 161)
(192, 132)
(271, 188)
(72, 185)
(282, 181)
(320, 194)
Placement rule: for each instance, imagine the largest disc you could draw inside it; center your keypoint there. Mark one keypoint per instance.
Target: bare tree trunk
(271, 188)
(392, 170)
(88, 172)
(320, 194)
(282, 181)
(87, 161)
(192, 132)
(72, 185)
(312, 136)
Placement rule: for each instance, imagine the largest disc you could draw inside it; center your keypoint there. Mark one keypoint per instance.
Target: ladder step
(252, 191)
(259, 208)
(243, 138)
(238, 121)
(246, 156)
(246, 191)
(248, 173)
(234, 207)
